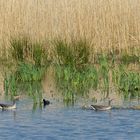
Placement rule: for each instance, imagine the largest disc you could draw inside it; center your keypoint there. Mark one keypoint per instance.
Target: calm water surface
(58, 122)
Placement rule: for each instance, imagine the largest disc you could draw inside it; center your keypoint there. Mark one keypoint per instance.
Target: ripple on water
(57, 122)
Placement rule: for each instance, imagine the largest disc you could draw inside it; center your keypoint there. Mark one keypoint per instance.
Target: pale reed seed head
(107, 24)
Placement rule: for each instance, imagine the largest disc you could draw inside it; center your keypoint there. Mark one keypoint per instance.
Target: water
(58, 122)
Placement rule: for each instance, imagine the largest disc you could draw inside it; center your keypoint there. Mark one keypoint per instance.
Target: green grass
(75, 70)
(127, 59)
(31, 62)
(75, 83)
(75, 54)
(74, 74)
(127, 82)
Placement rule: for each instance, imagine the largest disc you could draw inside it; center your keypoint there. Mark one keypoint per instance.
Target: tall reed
(74, 74)
(111, 25)
(31, 61)
(75, 71)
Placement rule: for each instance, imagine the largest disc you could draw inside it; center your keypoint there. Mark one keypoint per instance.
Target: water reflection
(11, 112)
(58, 121)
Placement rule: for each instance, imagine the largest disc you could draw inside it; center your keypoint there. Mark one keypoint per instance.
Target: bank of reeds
(75, 70)
(110, 28)
(110, 25)
(30, 60)
(76, 73)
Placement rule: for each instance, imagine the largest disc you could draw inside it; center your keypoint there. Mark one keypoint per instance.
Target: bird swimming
(102, 107)
(5, 106)
(46, 102)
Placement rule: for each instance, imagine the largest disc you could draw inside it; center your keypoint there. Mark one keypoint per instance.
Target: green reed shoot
(75, 72)
(74, 75)
(31, 62)
(127, 81)
(104, 73)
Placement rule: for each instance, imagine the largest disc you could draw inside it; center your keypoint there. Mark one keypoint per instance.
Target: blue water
(58, 122)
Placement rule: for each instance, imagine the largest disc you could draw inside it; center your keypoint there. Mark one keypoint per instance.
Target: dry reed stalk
(107, 24)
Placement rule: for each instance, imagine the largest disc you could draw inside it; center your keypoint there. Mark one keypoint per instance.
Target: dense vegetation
(76, 71)
(89, 44)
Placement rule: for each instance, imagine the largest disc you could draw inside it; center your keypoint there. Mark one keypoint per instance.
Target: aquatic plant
(126, 81)
(104, 73)
(31, 62)
(74, 75)
(75, 71)
(75, 53)
(127, 59)
(129, 84)
(31, 58)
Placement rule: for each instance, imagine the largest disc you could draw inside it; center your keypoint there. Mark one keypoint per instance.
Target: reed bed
(76, 74)
(30, 60)
(110, 25)
(91, 44)
(74, 71)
